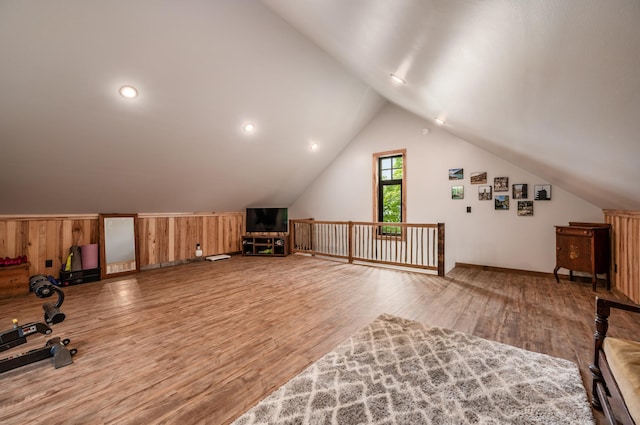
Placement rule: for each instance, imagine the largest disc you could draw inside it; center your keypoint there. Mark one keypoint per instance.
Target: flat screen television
(267, 220)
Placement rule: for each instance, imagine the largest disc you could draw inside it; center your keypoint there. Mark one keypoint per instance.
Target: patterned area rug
(397, 371)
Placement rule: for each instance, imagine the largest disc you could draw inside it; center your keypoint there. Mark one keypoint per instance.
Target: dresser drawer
(576, 231)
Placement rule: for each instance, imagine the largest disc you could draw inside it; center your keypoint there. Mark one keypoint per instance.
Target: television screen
(263, 220)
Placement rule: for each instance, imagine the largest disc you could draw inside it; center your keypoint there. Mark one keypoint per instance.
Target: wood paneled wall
(166, 238)
(625, 251)
(162, 238)
(46, 238)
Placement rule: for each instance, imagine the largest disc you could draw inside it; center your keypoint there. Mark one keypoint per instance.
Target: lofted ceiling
(550, 85)
(71, 144)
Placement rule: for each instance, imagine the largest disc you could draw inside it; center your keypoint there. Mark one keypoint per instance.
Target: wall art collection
(488, 192)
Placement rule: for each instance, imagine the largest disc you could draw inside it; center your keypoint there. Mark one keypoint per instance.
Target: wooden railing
(399, 244)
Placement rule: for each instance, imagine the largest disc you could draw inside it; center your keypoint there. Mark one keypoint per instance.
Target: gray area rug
(397, 371)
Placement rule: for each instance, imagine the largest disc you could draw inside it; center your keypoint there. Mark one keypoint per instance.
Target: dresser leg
(555, 273)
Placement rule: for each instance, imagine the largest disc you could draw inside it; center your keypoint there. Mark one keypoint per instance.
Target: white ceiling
(551, 85)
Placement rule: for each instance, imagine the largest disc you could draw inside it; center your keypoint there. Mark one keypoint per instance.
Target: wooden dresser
(584, 247)
(14, 280)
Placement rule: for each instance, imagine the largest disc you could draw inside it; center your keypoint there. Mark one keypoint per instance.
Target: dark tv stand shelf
(273, 246)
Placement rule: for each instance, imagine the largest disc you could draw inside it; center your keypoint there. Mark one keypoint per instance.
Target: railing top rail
(312, 221)
(368, 223)
(386, 223)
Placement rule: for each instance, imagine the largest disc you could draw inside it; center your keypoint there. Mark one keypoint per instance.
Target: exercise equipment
(55, 347)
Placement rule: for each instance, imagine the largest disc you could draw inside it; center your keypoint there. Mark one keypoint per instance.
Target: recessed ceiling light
(314, 147)
(397, 79)
(129, 92)
(249, 127)
(439, 121)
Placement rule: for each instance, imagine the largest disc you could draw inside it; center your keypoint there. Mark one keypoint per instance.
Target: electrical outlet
(468, 209)
(48, 263)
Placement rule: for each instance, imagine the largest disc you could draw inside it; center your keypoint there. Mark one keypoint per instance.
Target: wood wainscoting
(625, 251)
(46, 237)
(172, 238)
(164, 239)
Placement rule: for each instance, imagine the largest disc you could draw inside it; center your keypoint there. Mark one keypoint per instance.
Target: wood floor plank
(202, 342)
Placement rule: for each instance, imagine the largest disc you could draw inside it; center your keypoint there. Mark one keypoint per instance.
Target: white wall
(485, 236)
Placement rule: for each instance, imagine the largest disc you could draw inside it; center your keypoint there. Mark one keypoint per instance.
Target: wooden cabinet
(277, 246)
(583, 247)
(14, 280)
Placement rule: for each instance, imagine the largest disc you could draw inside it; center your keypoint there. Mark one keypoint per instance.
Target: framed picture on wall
(456, 173)
(525, 208)
(484, 193)
(501, 202)
(479, 177)
(542, 192)
(501, 184)
(457, 192)
(520, 191)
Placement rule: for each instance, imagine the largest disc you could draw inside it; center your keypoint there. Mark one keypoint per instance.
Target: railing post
(350, 239)
(440, 249)
(292, 237)
(312, 232)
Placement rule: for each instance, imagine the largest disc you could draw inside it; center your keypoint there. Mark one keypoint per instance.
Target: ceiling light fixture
(314, 147)
(397, 79)
(439, 121)
(249, 127)
(129, 92)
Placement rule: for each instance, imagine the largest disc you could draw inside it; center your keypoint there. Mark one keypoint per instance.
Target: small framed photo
(542, 192)
(484, 193)
(520, 191)
(501, 184)
(457, 192)
(479, 177)
(525, 208)
(501, 202)
(456, 173)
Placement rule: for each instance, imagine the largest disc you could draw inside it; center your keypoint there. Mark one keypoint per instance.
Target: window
(390, 190)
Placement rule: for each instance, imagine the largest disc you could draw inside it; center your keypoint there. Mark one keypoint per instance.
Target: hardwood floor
(202, 342)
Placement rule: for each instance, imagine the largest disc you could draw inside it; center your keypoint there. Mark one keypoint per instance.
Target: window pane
(397, 167)
(385, 163)
(390, 230)
(385, 175)
(391, 203)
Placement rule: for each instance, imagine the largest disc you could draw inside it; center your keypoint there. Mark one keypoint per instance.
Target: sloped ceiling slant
(71, 144)
(549, 85)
